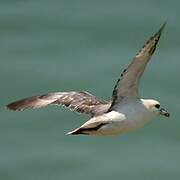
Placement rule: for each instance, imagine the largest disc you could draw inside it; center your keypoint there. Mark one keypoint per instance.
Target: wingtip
(11, 107)
(161, 28)
(159, 32)
(150, 45)
(15, 106)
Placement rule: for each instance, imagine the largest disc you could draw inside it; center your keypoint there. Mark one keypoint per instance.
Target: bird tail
(77, 131)
(84, 129)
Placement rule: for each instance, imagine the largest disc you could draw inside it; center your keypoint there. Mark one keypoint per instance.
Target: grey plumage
(84, 102)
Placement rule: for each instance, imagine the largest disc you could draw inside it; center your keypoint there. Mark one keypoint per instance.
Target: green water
(56, 45)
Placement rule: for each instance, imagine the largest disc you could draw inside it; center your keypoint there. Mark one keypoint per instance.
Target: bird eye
(157, 106)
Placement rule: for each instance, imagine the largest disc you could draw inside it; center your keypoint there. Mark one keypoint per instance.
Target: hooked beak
(164, 112)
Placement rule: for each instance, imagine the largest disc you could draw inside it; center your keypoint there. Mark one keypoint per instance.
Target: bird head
(155, 107)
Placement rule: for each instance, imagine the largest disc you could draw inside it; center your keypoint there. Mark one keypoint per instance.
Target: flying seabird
(125, 112)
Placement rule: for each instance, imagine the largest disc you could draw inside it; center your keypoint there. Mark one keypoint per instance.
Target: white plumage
(133, 114)
(125, 112)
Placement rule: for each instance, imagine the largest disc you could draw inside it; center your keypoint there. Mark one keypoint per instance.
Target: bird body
(125, 112)
(132, 114)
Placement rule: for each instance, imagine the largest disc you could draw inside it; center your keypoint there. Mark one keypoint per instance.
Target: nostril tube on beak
(164, 112)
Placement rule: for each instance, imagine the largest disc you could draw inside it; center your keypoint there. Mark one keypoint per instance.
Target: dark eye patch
(157, 106)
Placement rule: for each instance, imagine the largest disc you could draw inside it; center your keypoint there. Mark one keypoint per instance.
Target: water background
(49, 46)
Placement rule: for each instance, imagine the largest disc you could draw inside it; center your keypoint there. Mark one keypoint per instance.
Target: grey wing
(81, 102)
(127, 84)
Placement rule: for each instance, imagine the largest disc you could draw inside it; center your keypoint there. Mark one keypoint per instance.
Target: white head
(155, 107)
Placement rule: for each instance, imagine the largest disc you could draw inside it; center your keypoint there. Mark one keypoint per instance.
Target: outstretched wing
(82, 102)
(127, 84)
